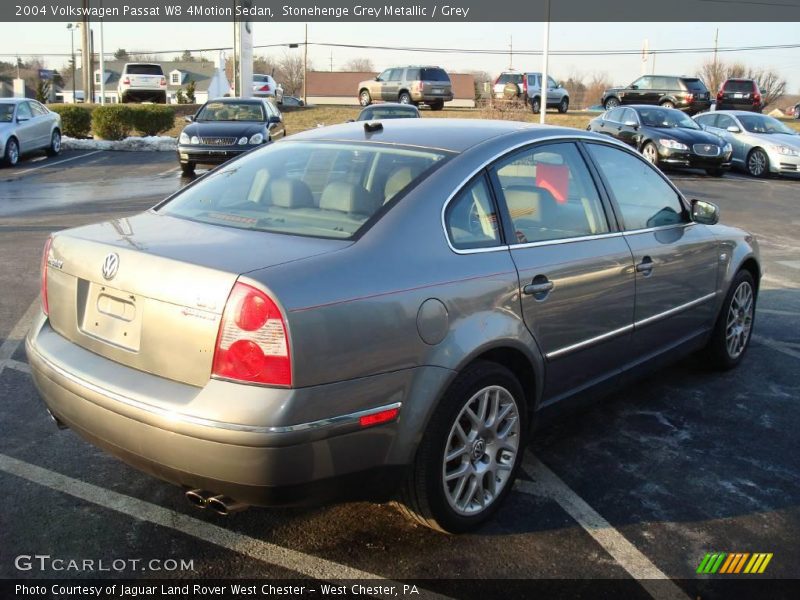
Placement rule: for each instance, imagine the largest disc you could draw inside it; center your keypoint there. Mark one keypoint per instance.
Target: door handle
(645, 267)
(539, 287)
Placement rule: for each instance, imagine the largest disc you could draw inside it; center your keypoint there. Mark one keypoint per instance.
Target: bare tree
(771, 84)
(713, 73)
(483, 84)
(360, 64)
(265, 65)
(290, 72)
(595, 86)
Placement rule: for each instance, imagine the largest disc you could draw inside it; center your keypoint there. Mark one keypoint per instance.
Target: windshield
(763, 124)
(6, 113)
(388, 112)
(666, 118)
(231, 111)
(321, 189)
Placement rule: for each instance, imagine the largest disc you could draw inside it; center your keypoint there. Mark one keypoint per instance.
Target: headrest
(399, 179)
(526, 202)
(347, 197)
(290, 193)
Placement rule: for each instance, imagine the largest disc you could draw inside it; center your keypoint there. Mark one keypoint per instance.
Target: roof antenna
(373, 127)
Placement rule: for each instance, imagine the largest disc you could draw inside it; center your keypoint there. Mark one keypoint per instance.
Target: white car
(27, 126)
(142, 82)
(265, 86)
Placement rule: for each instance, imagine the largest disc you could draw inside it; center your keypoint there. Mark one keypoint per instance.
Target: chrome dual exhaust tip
(222, 505)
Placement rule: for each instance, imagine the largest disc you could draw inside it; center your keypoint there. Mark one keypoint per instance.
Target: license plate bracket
(113, 316)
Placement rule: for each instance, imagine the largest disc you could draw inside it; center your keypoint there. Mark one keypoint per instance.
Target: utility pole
(71, 27)
(86, 55)
(716, 76)
(331, 61)
(305, 68)
(543, 87)
(510, 52)
(102, 64)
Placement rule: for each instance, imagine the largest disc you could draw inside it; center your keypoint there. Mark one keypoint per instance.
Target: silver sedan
(370, 308)
(761, 144)
(27, 126)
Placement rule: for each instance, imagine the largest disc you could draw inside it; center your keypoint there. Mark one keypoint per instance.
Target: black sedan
(225, 128)
(666, 137)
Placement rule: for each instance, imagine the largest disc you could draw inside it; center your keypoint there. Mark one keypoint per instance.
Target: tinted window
(743, 87)
(24, 110)
(381, 111)
(666, 118)
(615, 115)
(434, 75)
(396, 74)
(144, 70)
(724, 121)
(550, 195)
(764, 124)
(694, 85)
(628, 114)
(471, 218)
(663, 83)
(642, 195)
(231, 111)
(307, 188)
(385, 75)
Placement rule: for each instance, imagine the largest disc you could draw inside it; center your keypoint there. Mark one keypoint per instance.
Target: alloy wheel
(740, 320)
(611, 103)
(757, 163)
(12, 152)
(481, 450)
(55, 145)
(650, 153)
(365, 98)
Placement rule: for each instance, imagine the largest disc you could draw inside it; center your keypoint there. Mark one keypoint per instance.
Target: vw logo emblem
(478, 449)
(110, 266)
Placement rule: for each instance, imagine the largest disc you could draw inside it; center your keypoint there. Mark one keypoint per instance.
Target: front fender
(737, 248)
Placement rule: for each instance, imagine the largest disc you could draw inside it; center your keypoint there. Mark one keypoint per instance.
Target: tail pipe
(222, 505)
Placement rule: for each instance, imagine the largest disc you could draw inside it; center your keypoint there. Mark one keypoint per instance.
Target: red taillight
(719, 96)
(689, 97)
(45, 256)
(252, 344)
(756, 99)
(379, 417)
(163, 81)
(264, 88)
(126, 81)
(524, 85)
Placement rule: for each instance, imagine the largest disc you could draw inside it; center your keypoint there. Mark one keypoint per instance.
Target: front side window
(551, 82)
(321, 189)
(6, 112)
(643, 83)
(724, 121)
(550, 195)
(384, 76)
(24, 111)
(709, 120)
(471, 218)
(644, 199)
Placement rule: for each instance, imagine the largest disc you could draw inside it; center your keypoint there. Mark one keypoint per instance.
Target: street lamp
(72, 27)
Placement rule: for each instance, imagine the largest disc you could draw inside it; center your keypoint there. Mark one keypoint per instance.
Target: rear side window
(413, 74)
(435, 75)
(743, 87)
(320, 189)
(550, 195)
(471, 218)
(694, 85)
(643, 197)
(144, 70)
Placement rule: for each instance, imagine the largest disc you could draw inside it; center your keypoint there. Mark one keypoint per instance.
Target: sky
(41, 39)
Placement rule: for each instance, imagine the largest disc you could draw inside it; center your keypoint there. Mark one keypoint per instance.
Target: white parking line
(777, 282)
(52, 164)
(16, 365)
(17, 335)
(777, 345)
(783, 313)
(285, 558)
(794, 264)
(548, 484)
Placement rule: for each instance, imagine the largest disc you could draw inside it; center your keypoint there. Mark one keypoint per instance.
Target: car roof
(12, 100)
(226, 99)
(454, 135)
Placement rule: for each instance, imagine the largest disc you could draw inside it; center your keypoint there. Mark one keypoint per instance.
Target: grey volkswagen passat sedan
(358, 310)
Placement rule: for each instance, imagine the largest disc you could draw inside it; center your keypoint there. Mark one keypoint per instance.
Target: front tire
(757, 163)
(650, 152)
(563, 106)
(11, 156)
(187, 168)
(536, 105)
(55, 144)
(715, 172)
(611, 103)
(734, 327)
(364, 98)
(469, 456)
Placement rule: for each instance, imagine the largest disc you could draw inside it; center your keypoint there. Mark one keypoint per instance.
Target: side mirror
(634, 87)
(734, 129)
(274, 119)
(633, 124)
(189, 118)
(704, 212)
(23, 119)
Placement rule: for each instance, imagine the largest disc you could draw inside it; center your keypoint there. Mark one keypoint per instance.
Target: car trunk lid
(149, 291)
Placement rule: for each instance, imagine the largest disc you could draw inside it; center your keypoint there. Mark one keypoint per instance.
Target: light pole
(71, 28)
(543, 87)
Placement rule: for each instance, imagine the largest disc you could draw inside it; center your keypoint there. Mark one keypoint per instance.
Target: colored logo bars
(734, 563)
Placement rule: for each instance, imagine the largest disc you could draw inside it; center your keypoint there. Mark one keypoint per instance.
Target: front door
(26, 128)
(575, 270)
(675, 260)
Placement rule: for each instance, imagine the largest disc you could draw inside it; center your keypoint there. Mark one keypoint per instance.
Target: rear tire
(485, 451)
(55, 144)
(563, 106)
(187, 168)
(404, 98)
(438, 105)
(734, 326)
(715, 172)
(536, 105)
(364, 98)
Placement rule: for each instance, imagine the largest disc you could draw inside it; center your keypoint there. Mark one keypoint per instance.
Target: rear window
(144, 70)
(510, 78)
(694, 85)
(320, 189)
(745, 87)
(434, 75)
(261, 78)
(388, 112)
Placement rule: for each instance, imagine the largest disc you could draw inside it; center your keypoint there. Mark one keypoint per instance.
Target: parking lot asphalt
(639, 486)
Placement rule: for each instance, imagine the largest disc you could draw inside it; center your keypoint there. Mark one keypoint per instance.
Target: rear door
(675, 259)
(42, 123)
(629, 133)
(390, 88)
(25, 129)
(575, 269)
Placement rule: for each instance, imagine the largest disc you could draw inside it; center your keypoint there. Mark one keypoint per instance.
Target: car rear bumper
(428, 97)
(265, 461)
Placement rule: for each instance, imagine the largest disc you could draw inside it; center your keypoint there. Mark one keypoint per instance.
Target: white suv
(142, 82)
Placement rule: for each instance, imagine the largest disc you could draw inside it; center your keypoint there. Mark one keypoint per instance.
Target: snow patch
(154, 143)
